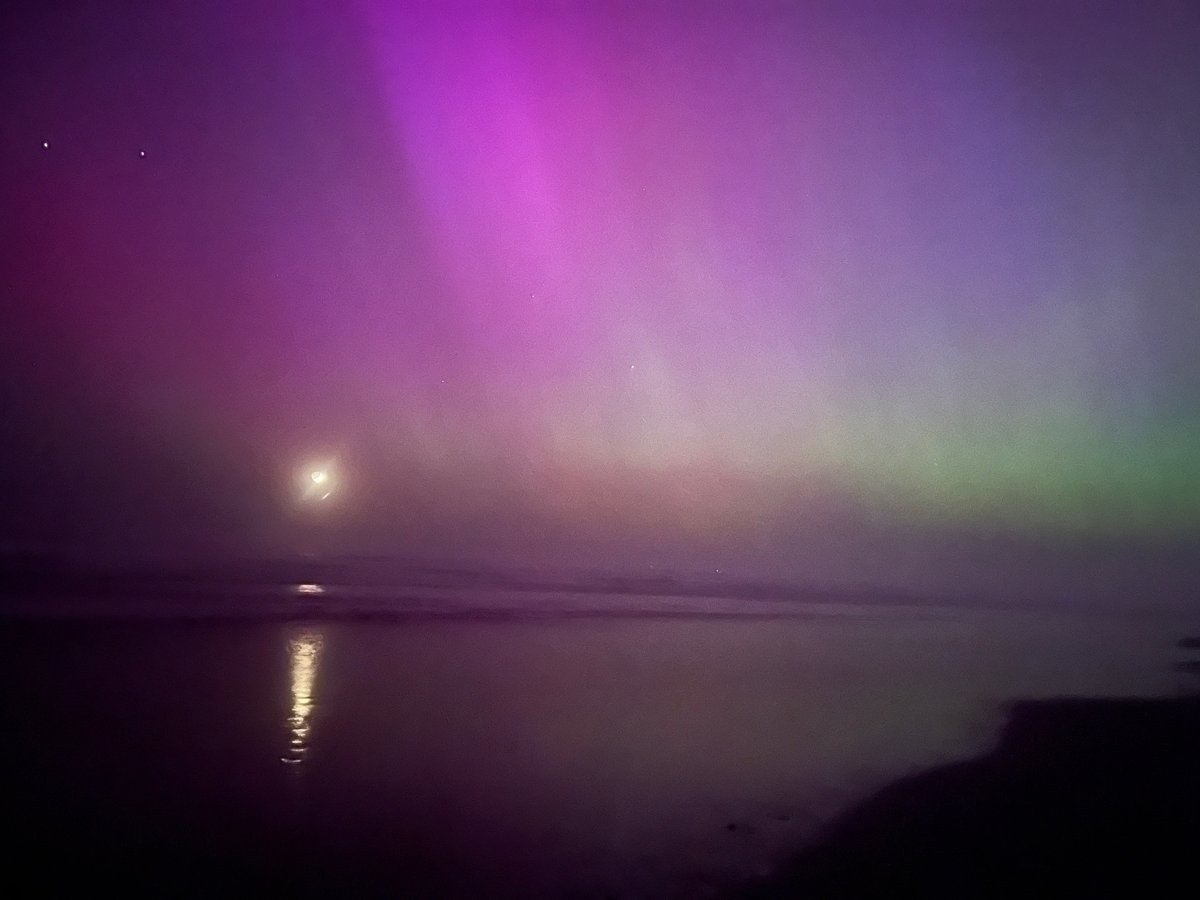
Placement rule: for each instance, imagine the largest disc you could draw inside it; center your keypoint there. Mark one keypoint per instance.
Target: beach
(1080, 798)
(611, 754)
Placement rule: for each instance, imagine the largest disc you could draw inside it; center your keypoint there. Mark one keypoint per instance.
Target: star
(45, 145)
(141, 153)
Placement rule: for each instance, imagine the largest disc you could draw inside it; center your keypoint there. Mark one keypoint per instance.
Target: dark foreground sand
(1080, 797)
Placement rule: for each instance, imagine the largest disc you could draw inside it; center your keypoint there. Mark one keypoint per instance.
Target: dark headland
(1080, 797)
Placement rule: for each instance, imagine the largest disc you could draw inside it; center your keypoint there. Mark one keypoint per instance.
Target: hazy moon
(316, 482)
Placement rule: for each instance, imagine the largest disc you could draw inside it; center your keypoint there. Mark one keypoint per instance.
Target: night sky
(906, 294)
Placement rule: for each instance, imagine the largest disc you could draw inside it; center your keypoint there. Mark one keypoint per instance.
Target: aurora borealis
(819, 289)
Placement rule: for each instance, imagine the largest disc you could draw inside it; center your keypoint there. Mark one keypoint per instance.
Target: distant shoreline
(399, 609)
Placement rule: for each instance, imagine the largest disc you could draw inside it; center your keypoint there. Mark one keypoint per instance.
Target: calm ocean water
(652, 747)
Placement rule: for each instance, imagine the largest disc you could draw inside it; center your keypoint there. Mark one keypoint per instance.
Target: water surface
(613, 753)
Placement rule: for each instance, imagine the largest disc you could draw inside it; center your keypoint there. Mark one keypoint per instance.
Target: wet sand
(1080, 797)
